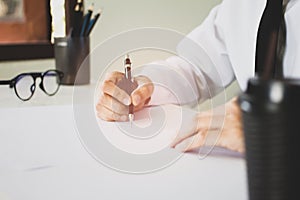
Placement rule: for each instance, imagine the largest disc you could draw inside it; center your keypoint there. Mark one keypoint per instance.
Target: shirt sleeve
(200, 70)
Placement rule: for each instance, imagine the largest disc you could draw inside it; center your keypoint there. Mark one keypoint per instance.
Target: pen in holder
(72, 54)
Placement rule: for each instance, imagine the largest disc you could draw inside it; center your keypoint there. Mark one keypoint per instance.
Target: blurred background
(119, 16)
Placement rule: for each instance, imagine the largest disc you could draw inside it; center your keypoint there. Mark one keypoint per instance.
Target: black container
(71, 53)
(270, 113)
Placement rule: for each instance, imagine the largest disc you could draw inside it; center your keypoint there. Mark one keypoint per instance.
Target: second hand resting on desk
(128, 85)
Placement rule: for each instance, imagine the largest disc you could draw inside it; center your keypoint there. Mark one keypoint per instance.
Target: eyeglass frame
(13, 82)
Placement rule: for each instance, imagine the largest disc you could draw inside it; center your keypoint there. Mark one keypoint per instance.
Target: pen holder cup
(270, 111)
(72, 58)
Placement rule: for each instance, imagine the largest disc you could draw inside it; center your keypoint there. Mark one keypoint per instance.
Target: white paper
(41, 157)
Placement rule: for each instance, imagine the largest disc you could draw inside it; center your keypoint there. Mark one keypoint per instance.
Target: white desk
(41, 157)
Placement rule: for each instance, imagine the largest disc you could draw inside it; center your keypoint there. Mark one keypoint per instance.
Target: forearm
(175, 81)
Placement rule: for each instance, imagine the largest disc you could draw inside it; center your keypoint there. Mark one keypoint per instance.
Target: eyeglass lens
(51, 82)
(25, 86)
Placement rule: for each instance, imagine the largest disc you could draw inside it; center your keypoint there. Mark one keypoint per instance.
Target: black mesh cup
(71, 54)
(270, 111)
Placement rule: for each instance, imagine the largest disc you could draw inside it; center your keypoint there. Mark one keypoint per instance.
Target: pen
(129, 85)
(81, 5)
(127, 68)
(77, 18)
(86, 21)
(92, 23)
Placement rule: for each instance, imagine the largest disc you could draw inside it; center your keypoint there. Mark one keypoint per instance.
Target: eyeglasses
(24, 84)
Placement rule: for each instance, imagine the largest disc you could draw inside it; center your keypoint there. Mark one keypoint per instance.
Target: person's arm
(201, 70)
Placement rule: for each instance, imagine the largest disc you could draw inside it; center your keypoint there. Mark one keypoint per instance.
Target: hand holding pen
(118, 100)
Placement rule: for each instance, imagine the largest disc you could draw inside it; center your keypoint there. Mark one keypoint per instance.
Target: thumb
(144, 90)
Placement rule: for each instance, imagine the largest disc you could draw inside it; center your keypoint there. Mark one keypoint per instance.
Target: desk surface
(41, 157)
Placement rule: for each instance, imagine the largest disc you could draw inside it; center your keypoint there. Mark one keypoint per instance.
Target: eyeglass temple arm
(6, 82)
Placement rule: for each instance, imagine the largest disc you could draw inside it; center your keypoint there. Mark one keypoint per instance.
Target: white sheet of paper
(41, 157)
(152, 130)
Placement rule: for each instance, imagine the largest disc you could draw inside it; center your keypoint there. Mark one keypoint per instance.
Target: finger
(195, 142)
(232, 139)
(111, 89)
(138, 107)
(112, 104)
(143, 92)
(114, 76)
(141, 105)
(181, 138)
(191, 143)
(108, 115)
(191, 132)
(210, 121)
(202, 123)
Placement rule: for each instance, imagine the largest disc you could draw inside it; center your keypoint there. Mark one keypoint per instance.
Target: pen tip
(131, 116)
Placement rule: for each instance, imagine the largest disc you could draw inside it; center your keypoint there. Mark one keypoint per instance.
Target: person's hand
(113, 102)
(227, 129)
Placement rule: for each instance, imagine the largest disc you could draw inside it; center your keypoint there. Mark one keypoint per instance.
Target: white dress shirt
(227, 37)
